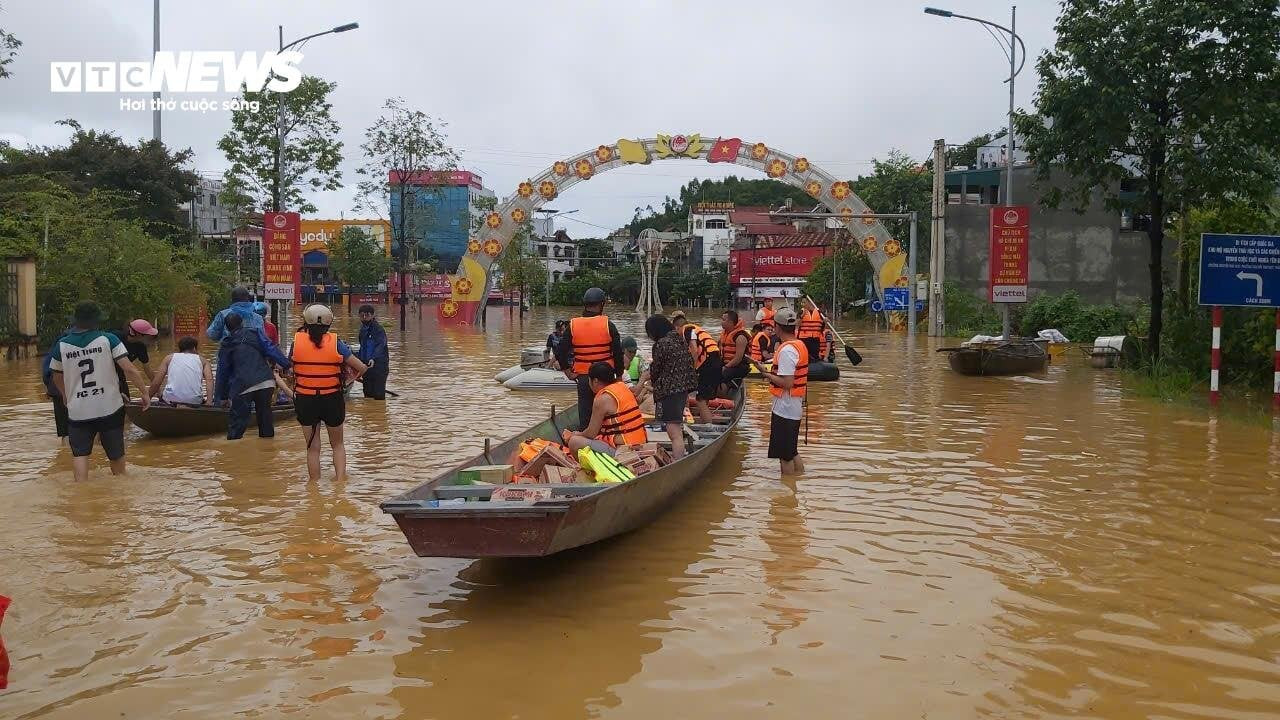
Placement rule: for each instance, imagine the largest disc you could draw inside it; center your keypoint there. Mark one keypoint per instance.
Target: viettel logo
(181, 72)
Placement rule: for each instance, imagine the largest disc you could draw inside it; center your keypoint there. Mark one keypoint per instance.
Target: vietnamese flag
(725, 150)
(4, 657)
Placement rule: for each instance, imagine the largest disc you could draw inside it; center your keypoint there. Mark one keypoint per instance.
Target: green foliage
(357, 259)
(149, 179)
(967, 154)
(312, 151)
(967, 314)
(599, 253)
(1179, 93)
(899, 184)
(9, 45)
(851, 285)
(1079, 322)
(674, 213)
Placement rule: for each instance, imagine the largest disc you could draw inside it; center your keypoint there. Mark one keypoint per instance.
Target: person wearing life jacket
(706, 362)
(734, 341)
(828, 344)
(318, 360)
(180, 377)
(809, 331)
(760, 348)
(765, 314)
(589, 339)
(615, 414)
(245, 378)
(273, 332)
(632, 363)
(788, 383)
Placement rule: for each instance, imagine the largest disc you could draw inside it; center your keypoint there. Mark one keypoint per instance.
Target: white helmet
(317, 315)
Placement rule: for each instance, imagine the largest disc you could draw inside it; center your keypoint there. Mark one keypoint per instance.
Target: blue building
(439, 218)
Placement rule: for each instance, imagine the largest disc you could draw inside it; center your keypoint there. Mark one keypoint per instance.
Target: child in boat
(181, 375)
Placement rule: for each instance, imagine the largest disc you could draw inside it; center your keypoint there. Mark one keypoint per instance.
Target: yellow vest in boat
(604, 467)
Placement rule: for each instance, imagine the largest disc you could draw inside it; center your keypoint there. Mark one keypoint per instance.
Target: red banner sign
(435, 177)
(773, 262)
(281, 256)
(190, 323)
(1008, 274)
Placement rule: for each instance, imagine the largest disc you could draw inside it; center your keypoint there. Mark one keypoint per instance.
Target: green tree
(9, 45)
(312, 151)
(398, 146)
(1180, 94)
(852, 271)
(357, 259)
(521, 269)
(966, 155)
(899, 184)
(747, 193)
(597, 253)
(150, 180)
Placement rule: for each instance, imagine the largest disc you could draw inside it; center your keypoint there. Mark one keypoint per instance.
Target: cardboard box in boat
(555, 474)
(492, 474)
(520, 493)
(546, 457)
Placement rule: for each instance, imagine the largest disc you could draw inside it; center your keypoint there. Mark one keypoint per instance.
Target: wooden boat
(164, 420)
(1016, 357)
(575, 515)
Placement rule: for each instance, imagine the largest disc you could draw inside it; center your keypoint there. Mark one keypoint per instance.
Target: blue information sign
(1240, 270)
(877, 306)
(896, 298)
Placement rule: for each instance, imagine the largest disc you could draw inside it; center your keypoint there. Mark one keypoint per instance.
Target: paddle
(849, 352)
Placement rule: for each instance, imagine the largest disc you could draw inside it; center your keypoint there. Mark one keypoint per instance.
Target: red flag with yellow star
(725, 150)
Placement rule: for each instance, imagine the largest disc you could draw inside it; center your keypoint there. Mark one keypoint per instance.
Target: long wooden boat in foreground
(575, 515)
(163, 420)
(1003, 358)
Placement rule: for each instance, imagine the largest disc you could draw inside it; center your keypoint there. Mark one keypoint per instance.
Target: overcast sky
(524, 84)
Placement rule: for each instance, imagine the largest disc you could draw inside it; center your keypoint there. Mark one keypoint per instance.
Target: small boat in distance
(165, 420)
(1015, 357)
(443, 518)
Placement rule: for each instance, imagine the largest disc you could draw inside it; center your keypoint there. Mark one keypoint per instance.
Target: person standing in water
(273, 333)
(318, 358)
(373, 352)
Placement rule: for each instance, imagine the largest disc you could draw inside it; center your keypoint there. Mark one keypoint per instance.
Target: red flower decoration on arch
(813, 187)
(463, 286)
(492, 247)
(547, 190)
(759, 151)
(892, 247)
(449, 308)
(473, 246)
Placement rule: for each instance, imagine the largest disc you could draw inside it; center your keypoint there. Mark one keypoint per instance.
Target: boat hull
(185, 420)
(994, 361)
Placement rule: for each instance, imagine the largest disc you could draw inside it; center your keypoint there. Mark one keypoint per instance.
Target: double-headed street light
(1014, 68)
(276, 202)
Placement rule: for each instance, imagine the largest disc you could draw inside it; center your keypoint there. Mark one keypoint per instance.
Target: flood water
(959, 547)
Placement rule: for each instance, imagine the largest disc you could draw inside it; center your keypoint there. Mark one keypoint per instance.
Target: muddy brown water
(959, 547)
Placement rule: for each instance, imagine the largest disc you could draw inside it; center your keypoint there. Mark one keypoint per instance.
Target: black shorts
(108, 430)
(61, 421)
(671, 407)
(330, 409)
(784, 437)
(709, 379)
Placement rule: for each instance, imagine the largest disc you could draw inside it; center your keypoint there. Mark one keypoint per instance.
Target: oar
(854, 357)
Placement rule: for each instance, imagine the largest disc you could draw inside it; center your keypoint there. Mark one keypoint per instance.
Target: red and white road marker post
(1215, 357)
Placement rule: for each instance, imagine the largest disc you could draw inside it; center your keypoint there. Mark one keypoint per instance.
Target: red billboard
(435, 177)
(773, 262)
(281, 256)
(1007, 265)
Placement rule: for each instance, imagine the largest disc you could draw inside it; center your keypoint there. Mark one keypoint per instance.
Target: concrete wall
(1086, 252)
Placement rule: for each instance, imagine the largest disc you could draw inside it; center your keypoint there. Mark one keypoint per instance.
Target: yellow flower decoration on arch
(583, 168)
(869, 243)
(902, 281)
(801, 164)
(892, 247)
(846, 212)
(518, 215)
(759, 151)
(473, 246)
(449, 308)
(492, 247)
(463, 286)
(777, 168)
(524, 189)
(604, 154)
(493, 220)
(840, 190)
(560, 168)
(868, 221)
(547, 190)
(813, 187)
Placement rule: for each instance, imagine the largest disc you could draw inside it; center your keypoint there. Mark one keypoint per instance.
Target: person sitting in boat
(245, 378)
(760, 349)
(733, 351)
(615, 414)
(633, 363)
(273, 333)
(181, 375)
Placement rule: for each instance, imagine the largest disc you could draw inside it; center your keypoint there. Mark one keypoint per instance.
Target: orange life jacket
(828, 339)
(810, 325)
(706, 343)
(625, 426)
(766, 316)
(318, 369)
(729, 339)
(755, 348)
(591, 342)
(802, 369)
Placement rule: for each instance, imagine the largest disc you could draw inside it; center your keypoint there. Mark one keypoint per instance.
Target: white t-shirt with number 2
(87, 361)
(788, 406)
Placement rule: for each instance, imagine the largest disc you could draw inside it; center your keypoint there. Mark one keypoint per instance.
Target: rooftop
(807, 238)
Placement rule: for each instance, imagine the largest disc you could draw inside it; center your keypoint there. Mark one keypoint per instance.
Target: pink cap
(142, 327)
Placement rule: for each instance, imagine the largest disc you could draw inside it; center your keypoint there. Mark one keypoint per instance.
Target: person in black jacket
(576, 356)
(245, 377)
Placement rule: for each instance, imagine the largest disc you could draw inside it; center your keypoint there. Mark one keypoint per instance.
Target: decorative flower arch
(471, 284)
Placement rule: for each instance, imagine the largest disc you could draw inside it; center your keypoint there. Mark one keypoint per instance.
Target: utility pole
(911, 284)
(1006, 325)
(937, 242)
(155, 94)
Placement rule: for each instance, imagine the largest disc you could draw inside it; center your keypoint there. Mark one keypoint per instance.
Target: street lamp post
(1014, 69)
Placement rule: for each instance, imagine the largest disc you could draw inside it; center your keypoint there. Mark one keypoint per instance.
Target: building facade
(560, 253)
(712, 233)
(442, 205)
(315, 237)
(206, 213)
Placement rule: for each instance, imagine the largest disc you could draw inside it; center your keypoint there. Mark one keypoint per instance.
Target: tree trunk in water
(1155, 235)
(1184, 272)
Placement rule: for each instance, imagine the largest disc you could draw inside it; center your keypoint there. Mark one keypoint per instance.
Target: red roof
(794, 239)
(751, 215)
(768, 229)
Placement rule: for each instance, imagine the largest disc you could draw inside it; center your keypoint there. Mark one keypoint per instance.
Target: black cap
(593, 296)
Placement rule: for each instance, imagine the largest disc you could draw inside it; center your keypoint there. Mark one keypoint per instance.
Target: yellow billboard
(317, 234)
